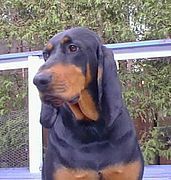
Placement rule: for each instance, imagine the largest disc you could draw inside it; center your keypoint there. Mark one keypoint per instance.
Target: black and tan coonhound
(91, 135)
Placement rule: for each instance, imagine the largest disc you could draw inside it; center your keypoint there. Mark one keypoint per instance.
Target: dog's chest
(76, 160)
(128, 171)
(71, 152)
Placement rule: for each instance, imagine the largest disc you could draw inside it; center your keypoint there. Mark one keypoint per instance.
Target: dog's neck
(84, 130)
(87, 123)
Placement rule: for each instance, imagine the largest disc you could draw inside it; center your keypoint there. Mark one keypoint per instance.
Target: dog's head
(77, 65)
(69, 57)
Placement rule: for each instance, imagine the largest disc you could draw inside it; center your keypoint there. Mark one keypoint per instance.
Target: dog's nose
(42, 81)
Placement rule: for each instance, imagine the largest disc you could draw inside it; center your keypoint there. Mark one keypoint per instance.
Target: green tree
(34, 22)
(115, 20)
(147, 92)
(13, 118)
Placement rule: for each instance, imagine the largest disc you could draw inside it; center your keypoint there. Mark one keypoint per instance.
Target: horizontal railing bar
(115, 47)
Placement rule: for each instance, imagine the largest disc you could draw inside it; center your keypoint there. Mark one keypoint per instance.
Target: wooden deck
(162, 172)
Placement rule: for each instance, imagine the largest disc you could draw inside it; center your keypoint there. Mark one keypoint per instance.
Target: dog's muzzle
(42, 81)
(49, 95)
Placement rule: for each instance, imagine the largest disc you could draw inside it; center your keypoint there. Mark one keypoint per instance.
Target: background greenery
(36, 21)
(13, 118)
(147, 93)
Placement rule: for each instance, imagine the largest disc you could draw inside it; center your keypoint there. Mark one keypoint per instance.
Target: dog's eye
(73, 48)
(45, 55)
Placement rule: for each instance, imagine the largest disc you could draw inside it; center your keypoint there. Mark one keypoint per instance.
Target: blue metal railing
(118, 46)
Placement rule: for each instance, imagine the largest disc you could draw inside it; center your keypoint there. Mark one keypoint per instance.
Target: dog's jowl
(91, 135)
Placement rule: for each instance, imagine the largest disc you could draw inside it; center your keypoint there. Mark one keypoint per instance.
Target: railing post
(35, 129)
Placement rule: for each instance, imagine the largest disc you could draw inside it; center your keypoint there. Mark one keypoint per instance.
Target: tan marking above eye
(49, 46)
(65, 39)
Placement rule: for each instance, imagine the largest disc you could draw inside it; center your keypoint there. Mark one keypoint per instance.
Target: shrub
(147, 93)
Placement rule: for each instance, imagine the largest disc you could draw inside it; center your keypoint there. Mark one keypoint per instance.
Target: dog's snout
(42, 81)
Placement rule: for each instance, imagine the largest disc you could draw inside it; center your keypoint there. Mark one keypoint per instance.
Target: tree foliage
(115, 20)
(147, 93)
(34, 22)
(13, 91)
(147, 89)
(13, 119)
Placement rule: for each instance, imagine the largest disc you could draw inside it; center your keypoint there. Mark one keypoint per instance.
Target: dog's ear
(48, 115)
(109, 88)
(100, 58)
